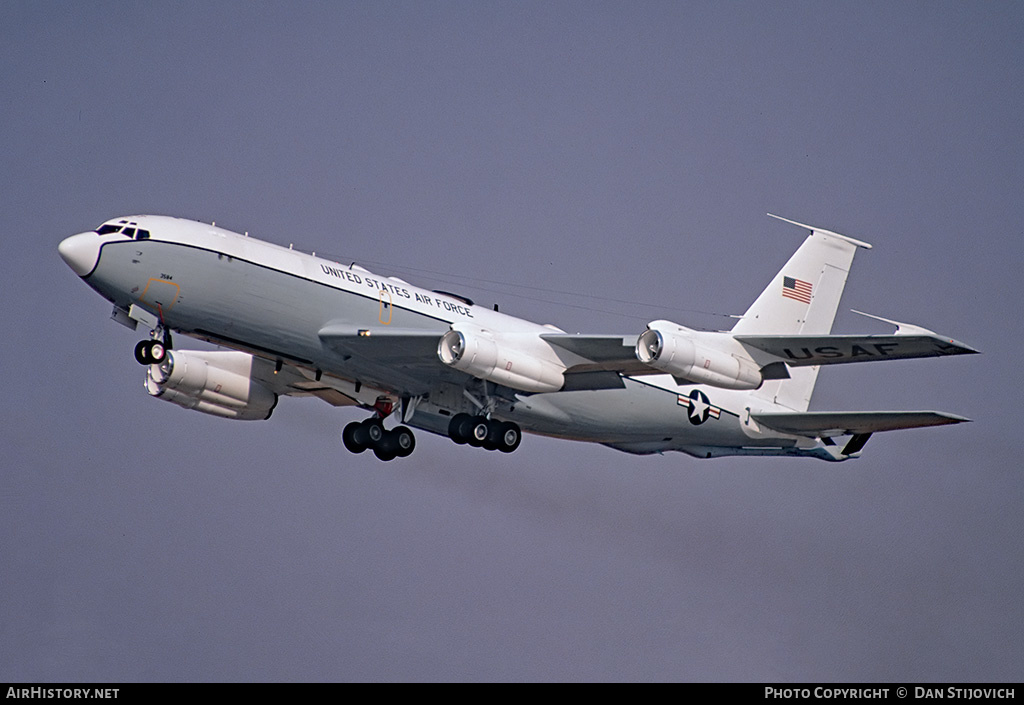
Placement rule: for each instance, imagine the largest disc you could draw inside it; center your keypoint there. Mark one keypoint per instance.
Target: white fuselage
(276, 303)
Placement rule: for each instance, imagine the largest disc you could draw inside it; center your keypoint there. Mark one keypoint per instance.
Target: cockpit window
(110, 228)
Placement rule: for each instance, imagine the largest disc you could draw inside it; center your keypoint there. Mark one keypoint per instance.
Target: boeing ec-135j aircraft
(294, 324)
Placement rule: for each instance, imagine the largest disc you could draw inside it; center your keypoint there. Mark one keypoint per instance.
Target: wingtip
(962, 348)
(911, 329)
(901, 328)
(953, 418)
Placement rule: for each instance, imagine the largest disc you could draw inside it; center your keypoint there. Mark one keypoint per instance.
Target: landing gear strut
(358, 436)
(481, 432)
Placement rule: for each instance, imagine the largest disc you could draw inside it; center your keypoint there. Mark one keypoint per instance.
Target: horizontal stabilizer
(807, 350)
(822, 231)
(841, 423)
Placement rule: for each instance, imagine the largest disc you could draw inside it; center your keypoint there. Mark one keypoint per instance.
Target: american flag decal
(796, 289)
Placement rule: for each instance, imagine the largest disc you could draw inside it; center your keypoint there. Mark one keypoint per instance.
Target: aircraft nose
(80, 252)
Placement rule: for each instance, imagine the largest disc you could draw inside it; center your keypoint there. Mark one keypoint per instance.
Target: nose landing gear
(154, 350)
(150, 352)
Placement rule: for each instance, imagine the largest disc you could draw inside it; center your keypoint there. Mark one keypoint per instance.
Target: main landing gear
(482, 432)
(399, 442)
(371, 434)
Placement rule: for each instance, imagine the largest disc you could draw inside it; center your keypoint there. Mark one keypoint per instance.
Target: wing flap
(601, 353)
(326, 392)
(592, 380)
(841, 423)
(398, 344)
(400, 360)
(597, 348)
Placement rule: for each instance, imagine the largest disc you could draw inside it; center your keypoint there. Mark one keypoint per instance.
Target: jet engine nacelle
(214, 382)
(521, 361)
(697, 356)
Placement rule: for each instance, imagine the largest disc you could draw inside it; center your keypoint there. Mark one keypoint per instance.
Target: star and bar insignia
(699, 408)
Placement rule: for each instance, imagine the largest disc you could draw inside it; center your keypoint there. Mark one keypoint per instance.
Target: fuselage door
(160, 294)
(385, 307)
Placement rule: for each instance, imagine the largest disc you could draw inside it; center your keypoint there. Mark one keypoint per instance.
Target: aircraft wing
(807, 350)
(839, 423)
(599, 348)
(403, 360)
(606, 358)
(395, 344)
(603, 352)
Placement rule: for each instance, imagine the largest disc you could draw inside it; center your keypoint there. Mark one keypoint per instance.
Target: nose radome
(80, 252)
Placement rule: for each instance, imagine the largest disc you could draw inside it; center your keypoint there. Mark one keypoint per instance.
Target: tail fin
(802, 299)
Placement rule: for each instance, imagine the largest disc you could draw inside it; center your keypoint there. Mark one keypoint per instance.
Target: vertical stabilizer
(802, 299)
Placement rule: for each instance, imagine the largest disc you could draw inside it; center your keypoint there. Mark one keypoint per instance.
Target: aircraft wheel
(368, 433)
(349, 437)
(479, 431)
(388, 443)
(150, 352)
(460, 427)
(384, 454)
(404, 441)
(142, 352)
(493, 440)
(510, 437)
(387, 447)
(372, 431)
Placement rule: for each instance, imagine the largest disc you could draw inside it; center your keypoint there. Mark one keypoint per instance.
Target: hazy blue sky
(617, 158)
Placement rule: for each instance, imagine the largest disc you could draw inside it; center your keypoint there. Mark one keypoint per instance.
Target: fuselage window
(130, 232)
(142, 234)
(108, 229)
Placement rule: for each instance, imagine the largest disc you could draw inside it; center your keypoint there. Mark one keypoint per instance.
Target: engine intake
(697, 356)
(215, 382)
(523, 362)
